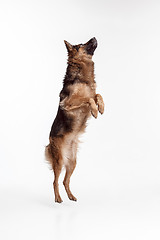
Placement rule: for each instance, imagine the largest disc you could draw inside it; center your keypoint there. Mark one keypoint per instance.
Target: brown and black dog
(78, 100)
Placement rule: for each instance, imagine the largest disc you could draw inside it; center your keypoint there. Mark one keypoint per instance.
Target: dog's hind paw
(58, 199)
(71, 197)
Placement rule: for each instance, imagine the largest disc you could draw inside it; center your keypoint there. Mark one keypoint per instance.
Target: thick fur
(78, 101)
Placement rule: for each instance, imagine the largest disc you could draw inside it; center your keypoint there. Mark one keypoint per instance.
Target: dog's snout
(91, 45)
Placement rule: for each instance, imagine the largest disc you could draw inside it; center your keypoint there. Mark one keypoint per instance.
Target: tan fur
(81, 102)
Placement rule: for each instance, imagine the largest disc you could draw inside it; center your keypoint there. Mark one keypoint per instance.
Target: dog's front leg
(69, 104)
(72, 104)
(99, 101)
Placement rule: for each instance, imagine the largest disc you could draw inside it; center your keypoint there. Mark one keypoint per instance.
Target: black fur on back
(61, 125)
(63, 122)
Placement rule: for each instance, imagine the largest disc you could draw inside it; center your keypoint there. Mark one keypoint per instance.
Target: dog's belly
(69, 148)
(80, 118)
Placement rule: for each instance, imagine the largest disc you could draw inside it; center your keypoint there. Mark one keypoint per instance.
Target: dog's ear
(68, 46)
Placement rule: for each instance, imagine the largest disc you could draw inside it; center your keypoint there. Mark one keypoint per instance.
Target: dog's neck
(79, 70)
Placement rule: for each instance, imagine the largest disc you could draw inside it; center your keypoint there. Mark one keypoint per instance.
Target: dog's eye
(76, 47)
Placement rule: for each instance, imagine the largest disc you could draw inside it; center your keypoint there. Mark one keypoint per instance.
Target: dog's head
(82, 51)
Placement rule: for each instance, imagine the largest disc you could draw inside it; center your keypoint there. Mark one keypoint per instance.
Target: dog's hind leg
(69, 170)
(55, 159)
(57, 170)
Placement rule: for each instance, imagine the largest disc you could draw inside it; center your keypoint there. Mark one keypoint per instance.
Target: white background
(117, 179)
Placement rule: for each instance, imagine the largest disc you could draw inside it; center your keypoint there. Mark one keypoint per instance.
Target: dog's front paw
(94, 109)
(101, 108)
(100, 103)
(94, 112)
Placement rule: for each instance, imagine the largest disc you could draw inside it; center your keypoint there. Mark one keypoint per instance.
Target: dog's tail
(48, 155)
(52, 153)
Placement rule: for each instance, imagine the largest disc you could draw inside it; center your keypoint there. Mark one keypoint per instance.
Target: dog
(78, 101)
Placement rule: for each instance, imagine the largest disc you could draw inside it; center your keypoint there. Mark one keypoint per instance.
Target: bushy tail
(48, 155)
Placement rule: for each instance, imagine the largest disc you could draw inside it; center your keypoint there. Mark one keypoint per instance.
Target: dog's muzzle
(91, 45)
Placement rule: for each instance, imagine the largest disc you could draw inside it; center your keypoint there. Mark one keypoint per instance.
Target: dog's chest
(83, 90)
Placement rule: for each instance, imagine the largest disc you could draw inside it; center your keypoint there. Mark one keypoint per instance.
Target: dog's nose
(94, 39)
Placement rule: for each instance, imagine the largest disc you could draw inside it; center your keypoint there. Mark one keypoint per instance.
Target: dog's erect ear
(68, 46)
